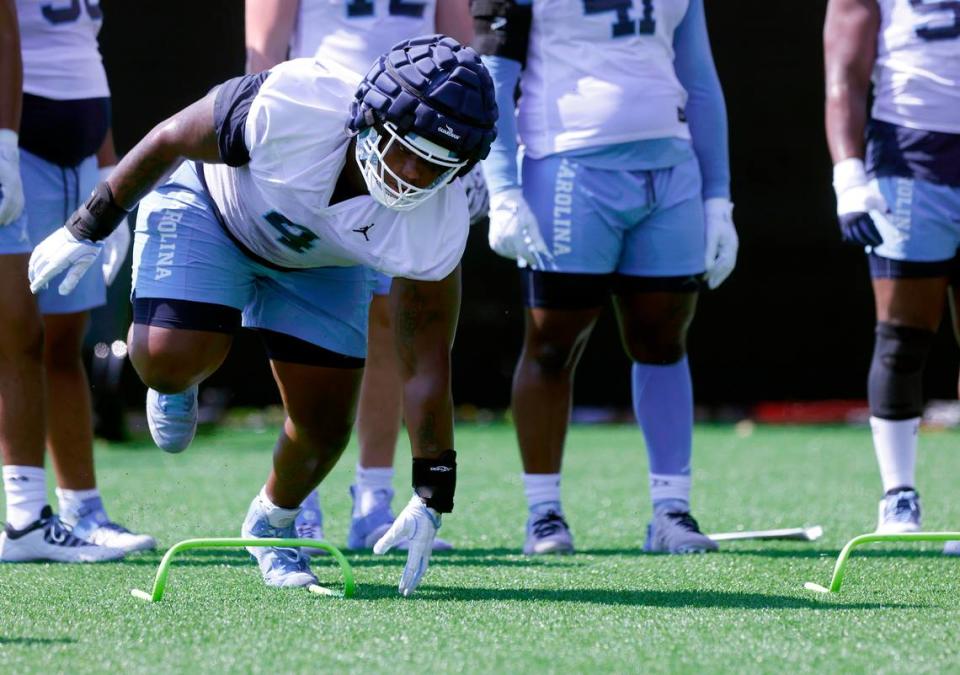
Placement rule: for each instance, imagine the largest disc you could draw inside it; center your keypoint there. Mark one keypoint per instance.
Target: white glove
(11, 188)
(860, 206)
(58, 252)
(478, 198)
(416, 526)
(117, 245)
(514, 232)
(722, 240)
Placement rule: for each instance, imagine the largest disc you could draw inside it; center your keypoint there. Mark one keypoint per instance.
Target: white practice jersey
(278, 204)
(61, 58)
(355, 33)
(916, 77)
(584, 86)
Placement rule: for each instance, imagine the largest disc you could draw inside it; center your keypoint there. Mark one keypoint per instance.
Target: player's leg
(655, 297)
(562, 308)
(379, 415)
(542, 396)
(190, 284)
(32, 531)
(910, 277)
(313, 324)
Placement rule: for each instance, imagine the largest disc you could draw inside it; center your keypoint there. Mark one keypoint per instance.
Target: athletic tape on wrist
(96, 219)
(435, 480)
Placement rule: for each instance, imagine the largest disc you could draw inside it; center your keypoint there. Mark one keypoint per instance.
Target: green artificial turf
(484, 607)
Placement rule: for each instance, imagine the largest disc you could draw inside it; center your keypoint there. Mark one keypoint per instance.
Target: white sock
(895, 442)
(277, 516)
(543, 492)
(369, 481)
(74, 504)
(669, 487)
(26, 491)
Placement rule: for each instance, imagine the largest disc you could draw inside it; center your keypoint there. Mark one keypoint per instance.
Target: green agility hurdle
(841, 567)
(163, 571)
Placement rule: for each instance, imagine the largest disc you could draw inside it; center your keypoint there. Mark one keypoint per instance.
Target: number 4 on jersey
(624, 25)
(293, 236)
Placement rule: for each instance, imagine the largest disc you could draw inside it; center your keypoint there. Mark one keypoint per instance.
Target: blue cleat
(676, 532)
(309, 522)
(366, 530)
(172, 418)
(280, 567)
(548, 533)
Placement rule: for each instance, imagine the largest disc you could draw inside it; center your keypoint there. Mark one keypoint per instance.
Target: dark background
(794, 321)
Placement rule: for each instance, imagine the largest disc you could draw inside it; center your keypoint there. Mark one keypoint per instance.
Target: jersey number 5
(397, 8)
(69, 11)
(624, 25)
(942, 31)
(295, 237)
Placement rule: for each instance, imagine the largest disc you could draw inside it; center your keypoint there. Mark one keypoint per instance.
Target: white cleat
(50, 539)
(676, 532)
(172, 418)
(547, 533)
(899, 512)
(951, 548)
(113, 535)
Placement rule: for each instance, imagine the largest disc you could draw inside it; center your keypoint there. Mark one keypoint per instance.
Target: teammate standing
(897, 177)
(306, 178)
(354, 34)
(624, 191)
(66, 115)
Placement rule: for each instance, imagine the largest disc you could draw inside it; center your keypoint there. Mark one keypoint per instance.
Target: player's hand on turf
(514, 232)
(722, 240)
(58, 252)
(11, 187)
(417, 525)
(860, 206)
(115, 248)
(478, 198)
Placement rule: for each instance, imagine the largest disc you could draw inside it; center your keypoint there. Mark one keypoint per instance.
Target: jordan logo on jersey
(363, 230)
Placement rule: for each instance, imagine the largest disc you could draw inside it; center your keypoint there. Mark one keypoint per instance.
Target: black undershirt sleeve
(230, 109)
(502, 28)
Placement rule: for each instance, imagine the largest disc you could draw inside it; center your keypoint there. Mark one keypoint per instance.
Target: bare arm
(269, 26)
(425, 319)
(11, 67)
(189, 134)
(453, 18)
(850, 49)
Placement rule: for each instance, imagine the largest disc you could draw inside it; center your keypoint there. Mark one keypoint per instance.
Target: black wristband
(96, 219)
(435, 480)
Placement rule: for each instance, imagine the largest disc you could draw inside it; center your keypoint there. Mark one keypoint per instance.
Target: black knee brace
(435, 480)
(895, 384)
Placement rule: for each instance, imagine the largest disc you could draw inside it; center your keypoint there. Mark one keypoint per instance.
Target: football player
(624, 191)
(298, 182)
(354, 34)
(66, 115)
(896, 175)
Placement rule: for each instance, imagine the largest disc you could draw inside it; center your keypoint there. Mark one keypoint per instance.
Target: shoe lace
(902, 509)
(549, 524)
(685, 520)
(62, 534)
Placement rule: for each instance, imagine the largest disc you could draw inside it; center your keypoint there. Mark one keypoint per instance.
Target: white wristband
(849, 173)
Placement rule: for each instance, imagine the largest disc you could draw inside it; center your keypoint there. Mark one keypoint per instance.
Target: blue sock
(663, 404)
